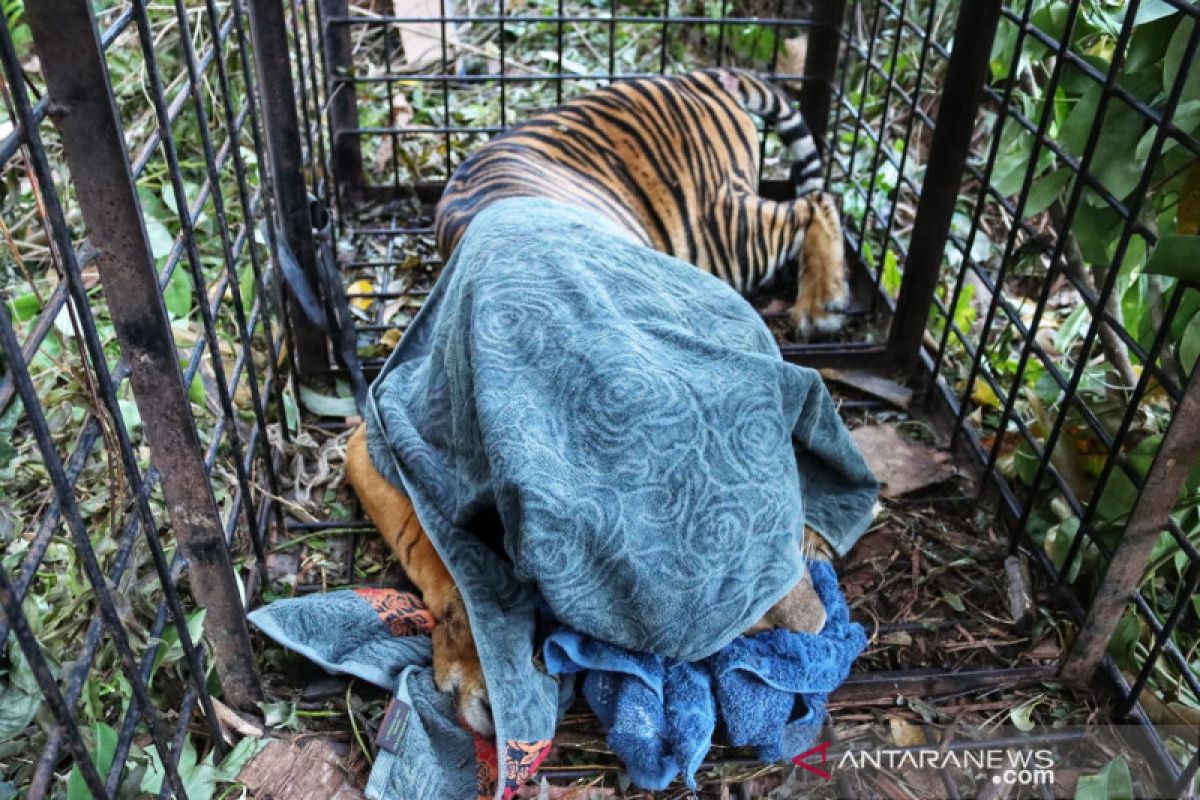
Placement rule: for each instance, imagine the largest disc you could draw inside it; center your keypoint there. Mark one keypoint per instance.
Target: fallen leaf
(983, 395)
(900, 464)
(233, 721)
(905, 734)
(422, 41)
(874, 545)
(361, 287)
(792, 56)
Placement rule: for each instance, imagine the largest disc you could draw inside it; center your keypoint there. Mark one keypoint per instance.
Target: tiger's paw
(823, 294)
(456, 667)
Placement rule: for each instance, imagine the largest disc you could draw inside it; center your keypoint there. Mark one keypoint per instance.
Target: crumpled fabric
(768, 690)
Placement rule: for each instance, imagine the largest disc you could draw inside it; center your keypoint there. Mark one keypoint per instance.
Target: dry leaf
(900, 464)
(905, 734)
(361, 287)
(792, 55)
(422, 41)
(231, 720)
(1189, 204)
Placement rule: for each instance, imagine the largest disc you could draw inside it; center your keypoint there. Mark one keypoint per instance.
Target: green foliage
(104, 747)
(200, 776)
(20, 695)
(1150, 266)
(1113, 782)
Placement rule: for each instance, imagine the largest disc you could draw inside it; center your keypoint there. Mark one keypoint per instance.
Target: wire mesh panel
(1059, 337)
(140, 374)
(414, 95)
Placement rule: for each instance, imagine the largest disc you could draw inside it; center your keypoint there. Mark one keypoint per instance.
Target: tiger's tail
(774, 106)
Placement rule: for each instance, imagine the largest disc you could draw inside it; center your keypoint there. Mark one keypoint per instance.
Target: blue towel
(768, 689)
(382, 637)
(632, 422)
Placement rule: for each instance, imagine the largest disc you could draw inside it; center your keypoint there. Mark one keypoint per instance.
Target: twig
(1110, 341)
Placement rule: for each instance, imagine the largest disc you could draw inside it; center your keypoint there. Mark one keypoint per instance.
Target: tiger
(674, 161)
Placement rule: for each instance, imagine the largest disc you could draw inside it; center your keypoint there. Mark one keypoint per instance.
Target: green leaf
(891, 273)
(1173, 60)
(1150, 40)
(1177, 255)
(152, 780)
(237, 758)
(325, 406)
(1058, 546)
(1116, 501)
(280, 715)
(953, 600)
(178, 293)
(1189, 345)
(161, 240)
(1112, 165)
(199, 777)
(1111, 783)
(20, 696)
(196, 392)
(1046, 190)
(1096, 228)
(170, 649)
(130, 414)
(1186, 118)
(291, 412)
(246, 288)
(102, 756)
(964, 309)
(1073, 134)
(1016, 144)
(1022, 716)
(1070, 328)
(24, 307)
(1002, 49)
(1151, 10)
(1123, 644)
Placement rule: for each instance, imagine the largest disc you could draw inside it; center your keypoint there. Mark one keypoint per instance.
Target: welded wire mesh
(102, 650)
(1060, 341)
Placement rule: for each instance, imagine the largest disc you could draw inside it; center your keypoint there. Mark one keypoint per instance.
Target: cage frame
(81, 104)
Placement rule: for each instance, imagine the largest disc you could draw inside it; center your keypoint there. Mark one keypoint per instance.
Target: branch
(1110, 341)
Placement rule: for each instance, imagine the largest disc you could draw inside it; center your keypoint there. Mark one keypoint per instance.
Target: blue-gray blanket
(633, 423)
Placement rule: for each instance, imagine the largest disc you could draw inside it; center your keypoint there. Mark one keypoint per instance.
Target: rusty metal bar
(965, 76)
(346, 149)
(268, 30)
(876, 687)
(83, 107)
(821, 65)
(1147, 520)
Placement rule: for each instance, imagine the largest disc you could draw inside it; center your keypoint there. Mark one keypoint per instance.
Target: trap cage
(189, 190)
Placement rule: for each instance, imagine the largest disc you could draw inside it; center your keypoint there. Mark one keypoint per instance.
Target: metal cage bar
(193, 443)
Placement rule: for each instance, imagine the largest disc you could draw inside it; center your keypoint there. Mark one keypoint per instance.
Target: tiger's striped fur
(674, 160)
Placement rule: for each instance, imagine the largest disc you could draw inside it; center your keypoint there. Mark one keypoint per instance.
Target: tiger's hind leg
(822, 293)
(456, 667)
